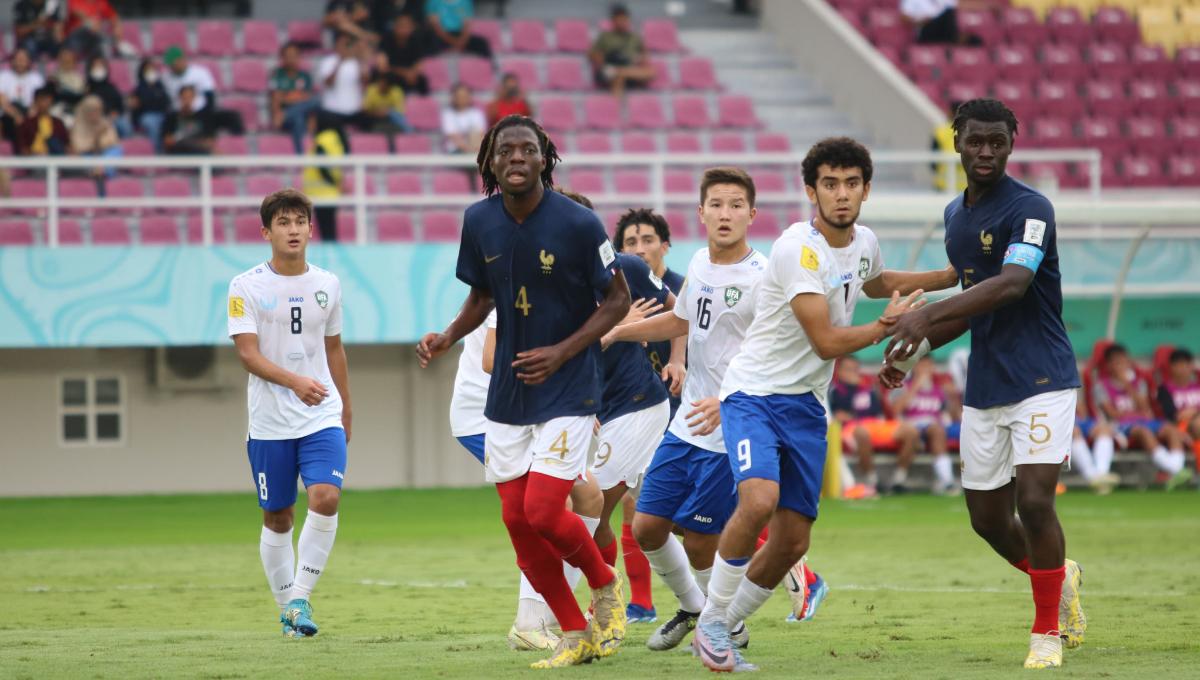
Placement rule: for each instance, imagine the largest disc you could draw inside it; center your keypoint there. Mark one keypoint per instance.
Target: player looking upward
(285, 317)
(1019, 403)
(539, 260)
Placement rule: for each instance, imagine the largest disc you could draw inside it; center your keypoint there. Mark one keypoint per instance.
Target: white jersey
(292, 316)
(860, 262)
(717, 300)
(776, 357)
(471, 384)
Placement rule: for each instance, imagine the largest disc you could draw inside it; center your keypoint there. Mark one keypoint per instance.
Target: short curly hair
(641, 216)
(984, 110)
(836, 152)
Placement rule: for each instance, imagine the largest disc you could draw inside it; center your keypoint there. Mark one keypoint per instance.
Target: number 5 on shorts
(1035, 426)
(743, 454)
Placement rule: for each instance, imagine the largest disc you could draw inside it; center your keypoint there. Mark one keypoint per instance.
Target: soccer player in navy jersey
(540, 260)
(1019, 406)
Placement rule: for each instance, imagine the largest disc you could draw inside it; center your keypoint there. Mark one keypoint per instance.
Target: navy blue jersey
(660, 352)
(1022, 349)
(544, 275)
(630, 382)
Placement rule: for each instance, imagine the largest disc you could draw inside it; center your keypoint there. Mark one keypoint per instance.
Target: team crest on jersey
(547, 261)
(322, 298)
(986, 240)
(733, 295)
(864, 266)
(809, 259)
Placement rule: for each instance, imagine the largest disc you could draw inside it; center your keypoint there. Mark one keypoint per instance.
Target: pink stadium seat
(727, 142)
(631, 181)
(489, 30)
(1187, 61)
(228, 145)
(28, 188)
(261, 185)
(1185, 131)
(1109, 60)
(451, 182)
(772, 142)
(476, 73)
(225, 186)
(368, 143)
(1059, 98)
(639, 142)
(1103, 134)
(423, 113)
(1016, 63)
(1148, 135)
(218, 73)
(414, 144)
(1140, 170)
(306, 32)
(681, 223)
(437, 72)
(78, 188)
(678, 182)
(557, 114)
(526, 71)
(260, 37)
(247, 228)
(1150, 97)
(153, 231)
(1183, 171)
(572, 35)
(736, 111)
(166, 33)
(1022, 26)
(251, 110)
(1187, 93)
(770, 180)
(1114, 24)
(441, 226)
(395, 226)
(981, 24)
(215, 38)
(1038, 171)
(971, 63)
(405, 183)
(593, 142)
(646, 112)
(15, 233)
(1018, 95)
(176, 187)
(110, 231)
(250, 75)
(660, 35)
(1051, 132)
(1063, 62)
(935, 91)
(587, 182)
(683, 142)
(347, 226)
(1066, 25)
(601, 112)
(120, 72)
(274, 144)
(691, 111)
(765, 225)
(137, 146)
(566, 74)
(70, 233)
(123, 187)
(195, 229)
(885, 26)
(528, 35)
(1150, 61)
(1105, 98)
(926, 62)
(964, 91)
(662, 75)
(131, 32)
(697, 73)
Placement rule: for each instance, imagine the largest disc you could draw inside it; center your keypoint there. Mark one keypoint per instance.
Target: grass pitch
(422, 584)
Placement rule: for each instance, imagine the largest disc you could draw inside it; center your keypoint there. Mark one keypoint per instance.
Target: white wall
(196, 441)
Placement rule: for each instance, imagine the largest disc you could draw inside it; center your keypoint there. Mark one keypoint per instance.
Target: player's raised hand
(432, 346)
(891, 377)
(640, 309)
(907, 333)
(673, 375)
(898, 306)
(309, 391)
(706, 417)
(536, 365)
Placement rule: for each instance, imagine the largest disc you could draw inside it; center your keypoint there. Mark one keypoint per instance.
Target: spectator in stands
(510, 100)
(98, 84)
(69, 83)
(385, 12)
(150, 103)
(449, 24)
(1093, 464)
(618, 56)
(406, 47)
(931, 407)
(93, 134)
(1179, 396)
(351, 17)
(463, 124)
(936, 21)
(18, 83)
(325, 182)
(293, 99)
(343, 75)
(190, 130)
(38, 25)
(91, 24)
(383, 103)
(41, 133)
(859, 408)
(1122, 397)
(181, 73)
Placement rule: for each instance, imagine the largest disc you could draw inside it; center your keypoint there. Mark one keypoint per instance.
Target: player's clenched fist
(534, 366)
(673, 374)
(706, 417)
(310, 391)
(432, 346)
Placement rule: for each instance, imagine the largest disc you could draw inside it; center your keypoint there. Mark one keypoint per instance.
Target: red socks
(637, 569)
(1047, 590)
(1022, 566)
(545, 509)
(609, 553)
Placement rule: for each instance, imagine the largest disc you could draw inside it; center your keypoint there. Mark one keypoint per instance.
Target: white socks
(942, 469)
(1104, 454)
(1170, 463)
(750, 596)
(671, 563)
(1081, 459)
(316, 542)
(279, 563)
(703, 576)
(726, 579)
(532, 610)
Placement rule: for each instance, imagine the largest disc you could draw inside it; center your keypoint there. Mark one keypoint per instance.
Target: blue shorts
(780, 437)
(474, 445)
(952, 430)
(1149, 423)
(691, 486)
(319, 458)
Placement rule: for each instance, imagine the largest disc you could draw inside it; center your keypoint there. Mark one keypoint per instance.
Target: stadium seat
(424, 114)
(1187, 61)
(601, 112)
(232, 145)
(526, 70)
(305, 32)
(1051, 132)
(691, 111)
(1016, 64)
(1185, 131)
(679, 182)
(638, 142)
(491, 31)
(347, 226)
(971, 63)
(247, 228)
(131, 32)
(215, 38)
(1021, 26)
(412, 144)
(631, 182)
(965, 90)
(225, 186)
(572, 35)
(452, 182)
(274, 144)
(260, 37)
(1148, 135)
(926, 62)
(1018, 95)
(1150, 61)
(697, 73)
(528, 35)
(660, 35)
(405, 183)
(646, 112)
(437, 72)
(982, 24)
(593, 142)
(1141, 170)
(28, 189)
(70, 233)
(587, 182)
(158, 231)
(250, 108)
(1113, 24)
(218, 73)
(1150, 97)
(1105, 97)
(1187, 94)
(476, 72)
(683, 142)
(250, 76)
(395, 226)
(772, 142)
(120, 72)
(727, 142)
(770, 180)
(168, 33)
(123, 187)
(368, 143)
(1109, 60)
(1058, 98)
(176, 187)
(1066, 25)
(1104, 134)
(662, 75)
(935, 91)
(765, 225)
(558, 114)
(15, 233)
(194, 229)
(262, 185)
(78, 188)
(110, 231)
(566, 74)
(137, 145)
(438, 225)
(1063, 62)
(1183, 171)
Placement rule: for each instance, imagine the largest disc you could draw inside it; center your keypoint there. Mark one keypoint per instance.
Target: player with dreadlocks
(541, 261)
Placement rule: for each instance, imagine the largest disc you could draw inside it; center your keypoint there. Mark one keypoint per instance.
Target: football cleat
(796, 582)
(817, 592)
(712, 644)
(740, 636)
(636, 613)
(608, 603)
(1070, 611)
(290, 632)
(671, 633)
(538, 639)
(1180, 478)
(740, 665)
(298, 614)
(574, 648)
(1045, 651)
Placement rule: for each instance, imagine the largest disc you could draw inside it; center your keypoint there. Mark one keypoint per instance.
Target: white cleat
(1045, 651)
(539, 639)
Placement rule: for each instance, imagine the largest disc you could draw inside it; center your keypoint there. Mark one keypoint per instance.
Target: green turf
(422, 584)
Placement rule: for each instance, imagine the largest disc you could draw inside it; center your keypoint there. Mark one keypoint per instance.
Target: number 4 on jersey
(523, 302)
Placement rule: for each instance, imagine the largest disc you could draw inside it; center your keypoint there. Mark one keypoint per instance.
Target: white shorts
(558, 448)
(627, 444)
(1036, 431)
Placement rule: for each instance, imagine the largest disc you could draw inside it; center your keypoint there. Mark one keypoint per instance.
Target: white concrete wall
(180, 442)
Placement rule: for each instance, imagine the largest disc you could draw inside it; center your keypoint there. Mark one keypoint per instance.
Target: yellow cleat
(1045, 651)
(1070, 610)
(538, 639)
(575, 648)
(608, 603)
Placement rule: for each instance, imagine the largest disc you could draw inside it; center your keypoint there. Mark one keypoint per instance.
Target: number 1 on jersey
(523, 302)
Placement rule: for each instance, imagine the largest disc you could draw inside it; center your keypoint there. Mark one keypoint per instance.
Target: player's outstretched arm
(535, 365)
(478, 305)
(339, 370)
(310, 391)
(906, 282)
(830, 341)
(655, 329)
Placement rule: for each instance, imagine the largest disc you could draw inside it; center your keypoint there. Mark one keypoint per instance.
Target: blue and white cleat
(714, 647)
(816, 595)
(636, 613)
(298, 614)
(291, 632)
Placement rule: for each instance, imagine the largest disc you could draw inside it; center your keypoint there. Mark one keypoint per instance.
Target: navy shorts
(319, 458)
(780, 437)
(691, 486)
(474, 445)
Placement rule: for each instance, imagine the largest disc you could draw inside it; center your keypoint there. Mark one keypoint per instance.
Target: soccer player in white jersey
(285, 317)
(775, 423)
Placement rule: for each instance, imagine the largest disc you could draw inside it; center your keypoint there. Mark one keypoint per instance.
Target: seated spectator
(406, 48)
(935, 22)
(352, 17)
(69, 82)
(1093, 464)
(189, 130)
(865, 428)
(41, 133)
(38, 25)
(384, 12)
(180, 73)
(342, 76)
(931, 407)
(510, 100)
(1122, 397)
(18, 83)
(1179, 396)
(325, 182)
(150, 103)
(293, 99)
(93, 134)
(384, 103)
(449, 24)
(463, 124)
(91, 24)
(618, 56)
(99, 84)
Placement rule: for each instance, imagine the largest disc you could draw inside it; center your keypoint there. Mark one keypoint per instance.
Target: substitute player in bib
(1019, 403)
(540, 259)
(285, 317)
